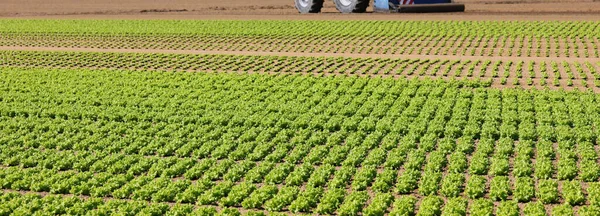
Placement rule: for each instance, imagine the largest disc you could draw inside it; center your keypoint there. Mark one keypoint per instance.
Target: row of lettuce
(584, 75)
(481, 46)
(576, 29)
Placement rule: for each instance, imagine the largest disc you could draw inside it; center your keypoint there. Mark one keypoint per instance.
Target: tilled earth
(284, 9)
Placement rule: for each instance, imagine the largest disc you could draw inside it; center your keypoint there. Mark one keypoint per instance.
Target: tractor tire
(352, 6)
(309, 6)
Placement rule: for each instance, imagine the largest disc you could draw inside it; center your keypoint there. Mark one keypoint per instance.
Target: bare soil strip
(301, 54)
(284, 10)
(455, 46)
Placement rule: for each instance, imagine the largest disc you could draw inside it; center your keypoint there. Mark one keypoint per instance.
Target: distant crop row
(565, 74)
(484, 46)
(223, 143)
(538, 29)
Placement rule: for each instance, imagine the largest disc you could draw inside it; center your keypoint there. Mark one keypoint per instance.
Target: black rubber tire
(309, 6)
(432, 8)
(356, 6)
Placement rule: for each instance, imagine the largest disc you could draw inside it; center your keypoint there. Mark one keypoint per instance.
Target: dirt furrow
(300, 54)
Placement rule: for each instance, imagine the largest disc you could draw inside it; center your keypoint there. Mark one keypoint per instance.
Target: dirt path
(301, 54)
(284, 9)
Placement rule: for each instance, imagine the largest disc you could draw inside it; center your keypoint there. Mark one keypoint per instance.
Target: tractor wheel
(352, 6)
(309, 6)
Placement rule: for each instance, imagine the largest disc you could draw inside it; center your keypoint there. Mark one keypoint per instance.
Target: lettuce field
(426, 118)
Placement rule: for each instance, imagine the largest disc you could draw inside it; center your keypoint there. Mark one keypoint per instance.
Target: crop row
(293, 143)
(516, 46)
(288, 172)
(32, 203)
(344, 104)
(303, 28)
(236, 181)
(538, 74)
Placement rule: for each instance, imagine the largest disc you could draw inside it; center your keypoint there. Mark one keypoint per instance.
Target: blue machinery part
(417, 6)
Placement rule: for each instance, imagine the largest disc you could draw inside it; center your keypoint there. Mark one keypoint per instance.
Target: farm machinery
(399, 6)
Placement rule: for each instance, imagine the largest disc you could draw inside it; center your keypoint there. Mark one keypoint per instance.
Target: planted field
(123, 117)
(584, 75)
(505, 54)
(291, 143)
(463, 38)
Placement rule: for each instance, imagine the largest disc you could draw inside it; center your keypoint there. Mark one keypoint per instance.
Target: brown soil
(284, 9)
(300, 54)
